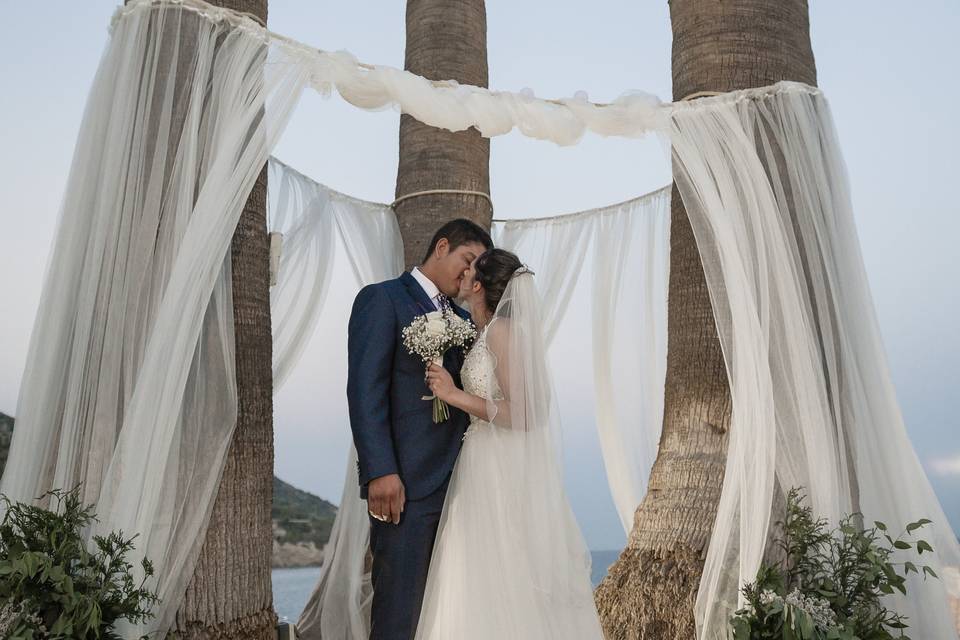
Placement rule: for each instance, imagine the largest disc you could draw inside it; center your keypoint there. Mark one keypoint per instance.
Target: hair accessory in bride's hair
(522, 270)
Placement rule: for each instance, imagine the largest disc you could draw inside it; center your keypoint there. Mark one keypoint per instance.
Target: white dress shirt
(432, 291)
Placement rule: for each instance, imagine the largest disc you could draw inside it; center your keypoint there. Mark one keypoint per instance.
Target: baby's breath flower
(817, 608)
(429, 336)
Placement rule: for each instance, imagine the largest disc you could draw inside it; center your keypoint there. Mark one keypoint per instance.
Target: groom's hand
(386, 497)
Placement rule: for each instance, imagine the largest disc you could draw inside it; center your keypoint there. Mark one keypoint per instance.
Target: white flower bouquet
(430, 336)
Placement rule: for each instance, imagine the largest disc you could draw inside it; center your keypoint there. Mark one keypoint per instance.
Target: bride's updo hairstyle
(493, 269)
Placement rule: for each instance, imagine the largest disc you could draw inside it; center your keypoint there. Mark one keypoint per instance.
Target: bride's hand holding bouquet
(429, 337)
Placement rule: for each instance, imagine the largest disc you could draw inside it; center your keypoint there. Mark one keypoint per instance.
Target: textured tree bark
(446, 40)
(651, 589)
(230, 595)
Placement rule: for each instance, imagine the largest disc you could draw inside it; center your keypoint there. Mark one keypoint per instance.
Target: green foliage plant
(829, 584)
(53, 587)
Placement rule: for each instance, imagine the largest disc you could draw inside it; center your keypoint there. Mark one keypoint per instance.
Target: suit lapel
(453, 359)
(460, 311)
(417, 293)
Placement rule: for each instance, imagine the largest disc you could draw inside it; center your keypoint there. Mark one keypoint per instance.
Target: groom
(404, 459)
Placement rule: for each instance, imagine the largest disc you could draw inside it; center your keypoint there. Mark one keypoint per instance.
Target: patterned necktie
(444, 303)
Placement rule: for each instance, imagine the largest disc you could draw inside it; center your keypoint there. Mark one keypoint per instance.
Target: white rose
(436, 325)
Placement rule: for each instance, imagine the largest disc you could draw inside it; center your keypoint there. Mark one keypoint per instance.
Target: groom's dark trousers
(401, 558)
(394, 433)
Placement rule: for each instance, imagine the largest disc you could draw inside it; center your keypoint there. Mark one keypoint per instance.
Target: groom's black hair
(458, 233)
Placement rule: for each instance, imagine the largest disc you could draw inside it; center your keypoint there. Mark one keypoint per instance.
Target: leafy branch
(53, 586)
(830, 583)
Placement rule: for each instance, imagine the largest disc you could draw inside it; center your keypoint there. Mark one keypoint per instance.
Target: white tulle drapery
(453, 106)
(310, 217)
(130, 391)
(448, 104)
(302, 233)
(627, 248)
(130, 385)
(509, 560)
(765, 187)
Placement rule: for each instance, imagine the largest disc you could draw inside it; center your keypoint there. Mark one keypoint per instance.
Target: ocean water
(292, 587)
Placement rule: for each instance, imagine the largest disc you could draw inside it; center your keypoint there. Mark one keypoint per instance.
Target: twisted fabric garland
(450, 105)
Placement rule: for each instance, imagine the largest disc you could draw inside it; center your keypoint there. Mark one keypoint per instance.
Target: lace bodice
(478, 372)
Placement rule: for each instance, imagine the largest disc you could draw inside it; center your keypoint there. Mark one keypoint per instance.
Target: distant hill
(305, 516)
(301, 520)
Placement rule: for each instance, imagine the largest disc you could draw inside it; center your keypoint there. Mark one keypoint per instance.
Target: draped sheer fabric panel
(300, 214)
(556, 250)
(130, 392)
(130, 386)
(448, 104)
(628, 247)
(311, 218)
(339, 606)
(456, 107)
(524, 573)
(765, 187)
(630, 278)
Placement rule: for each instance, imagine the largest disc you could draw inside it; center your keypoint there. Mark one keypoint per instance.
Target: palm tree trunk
(446, 40)
(651, 589)
(230, 595)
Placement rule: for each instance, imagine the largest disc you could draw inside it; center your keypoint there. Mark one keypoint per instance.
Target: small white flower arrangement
(429, 337)
(829, 584)
(817, 608)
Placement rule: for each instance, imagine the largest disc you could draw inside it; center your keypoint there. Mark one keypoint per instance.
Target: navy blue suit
(394, 432)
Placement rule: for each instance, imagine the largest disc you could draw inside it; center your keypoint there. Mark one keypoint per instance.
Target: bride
(509, 560)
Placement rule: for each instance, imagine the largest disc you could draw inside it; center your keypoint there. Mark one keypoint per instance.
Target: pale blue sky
(886, 67)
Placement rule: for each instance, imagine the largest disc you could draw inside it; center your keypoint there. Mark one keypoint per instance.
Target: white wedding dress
(509, 560)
